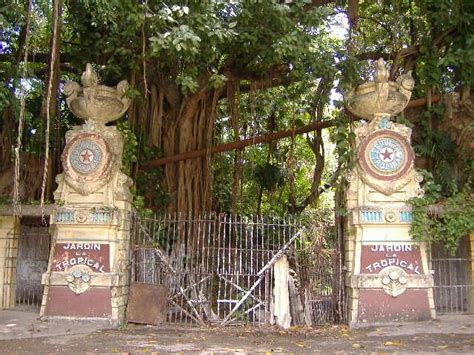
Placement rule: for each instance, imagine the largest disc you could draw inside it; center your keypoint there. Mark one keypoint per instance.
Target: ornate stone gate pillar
(88, 271)
(388, 278)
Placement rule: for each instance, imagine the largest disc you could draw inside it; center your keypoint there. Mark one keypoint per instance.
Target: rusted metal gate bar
(161, 255)
(210, 261)
(240, 288)
(261, 275)
(452, 285)
(182, 292)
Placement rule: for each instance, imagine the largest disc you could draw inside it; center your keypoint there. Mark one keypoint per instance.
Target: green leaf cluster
(445, 222)
(130, 148)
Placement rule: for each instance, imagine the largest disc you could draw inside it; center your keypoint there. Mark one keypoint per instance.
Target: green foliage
(194, 46)
(446, 212)
(149, 183)
(130, 147)
(266, 167)
(130, 157)
(343, 137)
(139, 205)
(445, 222)
(269, 176)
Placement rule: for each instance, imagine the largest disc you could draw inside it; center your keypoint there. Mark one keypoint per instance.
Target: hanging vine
(21, 119)
(233, 95)
(54, 48)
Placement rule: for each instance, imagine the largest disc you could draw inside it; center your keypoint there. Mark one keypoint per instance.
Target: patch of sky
(339, 28)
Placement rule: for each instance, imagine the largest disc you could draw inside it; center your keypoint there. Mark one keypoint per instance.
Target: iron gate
(453, 288)
(218, 268)
(31, 262)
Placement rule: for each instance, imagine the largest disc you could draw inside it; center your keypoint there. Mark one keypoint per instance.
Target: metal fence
(218, 268)
(453, 286)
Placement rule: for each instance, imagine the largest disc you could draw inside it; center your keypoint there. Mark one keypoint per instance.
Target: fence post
(281, 293)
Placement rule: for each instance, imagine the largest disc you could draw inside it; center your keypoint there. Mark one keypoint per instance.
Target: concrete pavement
(24, 332)
(27, 324)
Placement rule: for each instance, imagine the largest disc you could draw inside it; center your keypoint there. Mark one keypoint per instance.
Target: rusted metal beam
(264, 138)
(423, 101)
(241, 144)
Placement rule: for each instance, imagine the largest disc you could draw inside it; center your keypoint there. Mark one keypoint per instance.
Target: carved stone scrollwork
(394, 280)
(79, 279)
(350, 176)
(93, 152)
(419, 192)
(418, 177)
(87, 162)
(385, 160)
(81, 217)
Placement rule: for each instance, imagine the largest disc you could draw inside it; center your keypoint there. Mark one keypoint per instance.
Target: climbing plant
(445, 222)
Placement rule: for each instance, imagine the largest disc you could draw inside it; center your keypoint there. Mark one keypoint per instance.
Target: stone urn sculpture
(100, 103)
(384, 153)
(381, 96)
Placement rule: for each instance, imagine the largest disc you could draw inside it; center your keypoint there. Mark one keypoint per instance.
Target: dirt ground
(453, 335)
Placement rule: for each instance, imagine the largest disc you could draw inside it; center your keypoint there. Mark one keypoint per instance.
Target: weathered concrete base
(95, 303)
(88, 272)
(471, 272)
(377, 306)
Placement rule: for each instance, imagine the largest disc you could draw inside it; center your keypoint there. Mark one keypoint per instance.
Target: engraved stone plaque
(93, 255)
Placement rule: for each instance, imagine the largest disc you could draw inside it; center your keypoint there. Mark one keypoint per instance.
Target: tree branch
(406, 52)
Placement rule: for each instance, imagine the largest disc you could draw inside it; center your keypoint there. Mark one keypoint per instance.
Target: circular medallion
(87, 157)
(385, 155)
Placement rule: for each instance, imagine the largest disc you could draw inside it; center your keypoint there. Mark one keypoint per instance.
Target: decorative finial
(89, 78)
(381, 72)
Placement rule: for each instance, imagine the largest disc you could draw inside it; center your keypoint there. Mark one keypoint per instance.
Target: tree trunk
(179, 126)
(6, 138)
(236, 180)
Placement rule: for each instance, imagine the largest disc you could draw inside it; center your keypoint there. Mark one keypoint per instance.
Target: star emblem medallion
(385, 155)
(86, 156)
(86, 159)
